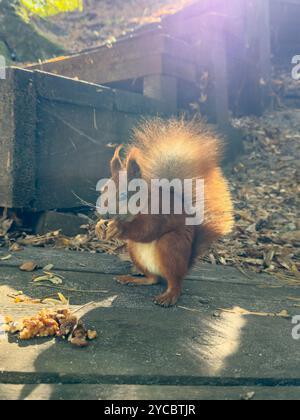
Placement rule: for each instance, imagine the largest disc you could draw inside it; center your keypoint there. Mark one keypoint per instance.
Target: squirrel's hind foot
(167, 299)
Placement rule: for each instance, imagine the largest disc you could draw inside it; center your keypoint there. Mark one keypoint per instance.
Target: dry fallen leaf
(6, 258)
(63, 300)
(48, 267)
(29, 266)
(50, 277)
(240, 311)
(16, 248)
(5, 226)
(92, 335)
(249, 396)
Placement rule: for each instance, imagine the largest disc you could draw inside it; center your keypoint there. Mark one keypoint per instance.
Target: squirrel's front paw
(107, 230)
(101, 228)
(113, 231)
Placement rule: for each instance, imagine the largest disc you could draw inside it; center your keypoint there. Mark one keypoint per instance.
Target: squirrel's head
(123, 170)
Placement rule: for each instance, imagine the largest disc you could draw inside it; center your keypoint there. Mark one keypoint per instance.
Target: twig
(83, 307)
(189, 309)
(65, 289)
(294, 299)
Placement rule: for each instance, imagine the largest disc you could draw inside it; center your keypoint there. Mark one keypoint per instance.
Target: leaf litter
(266, 192)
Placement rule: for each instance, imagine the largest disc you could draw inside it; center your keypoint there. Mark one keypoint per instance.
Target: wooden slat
(131, 50)
(71, 146)
(17, 142)
(107, 264)
(69, 91)
(285, 34)
(7, 129)
(122, 68)
(145, 392)
(163, 88)
(67, 260)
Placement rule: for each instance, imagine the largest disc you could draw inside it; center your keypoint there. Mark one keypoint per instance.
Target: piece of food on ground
(29, 266)
(61, 323)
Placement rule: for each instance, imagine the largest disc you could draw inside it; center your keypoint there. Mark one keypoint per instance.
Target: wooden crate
(56, 137)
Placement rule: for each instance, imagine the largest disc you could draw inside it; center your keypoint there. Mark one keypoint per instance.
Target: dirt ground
(103, 21)
(265, 187)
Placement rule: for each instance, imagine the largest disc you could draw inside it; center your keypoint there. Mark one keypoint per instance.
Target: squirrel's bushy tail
(175, 149)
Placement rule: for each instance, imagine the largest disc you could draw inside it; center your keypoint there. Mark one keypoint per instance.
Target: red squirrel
(163, 245)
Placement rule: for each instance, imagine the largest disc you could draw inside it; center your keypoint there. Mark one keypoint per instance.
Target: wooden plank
(17, 123)
(138, 105)
(69, 91)
(285, 36)
(74, 144)
(205, 31)
(71, 146)
(132, 49)
(171, 66)
(6, 139)
(192, 23)
(122, 68)
(144, 392)
(142, 344)
(219, 91)
(67, 260)
(213, 48)
(249, 58)
(86, 262)
(263, 35)
(163, 88)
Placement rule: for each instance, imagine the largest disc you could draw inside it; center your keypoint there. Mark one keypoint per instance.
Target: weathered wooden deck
(145, 352)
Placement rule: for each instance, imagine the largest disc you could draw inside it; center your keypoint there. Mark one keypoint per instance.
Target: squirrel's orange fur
(163, 245)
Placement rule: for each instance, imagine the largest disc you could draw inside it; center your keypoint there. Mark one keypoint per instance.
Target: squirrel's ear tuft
(133, 169)
(116, 163)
